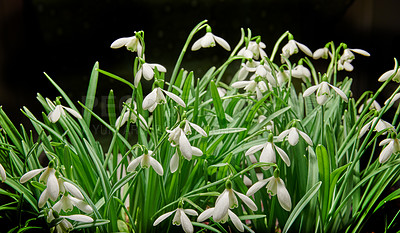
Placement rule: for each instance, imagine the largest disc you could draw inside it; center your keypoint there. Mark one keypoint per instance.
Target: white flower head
(380, 126)
(157, 97)
(208, 40)
(395, 73)
(255, 85)
(227, 200)
(292, 135)
(234, 218)
(254, 50)
(292, 47)
(58, 111)
(131, 43)
(132, 115)
(347, 57)
(323, 92)
(146, 160)
(302, 72)
(323, 53)
(48, 177)
(64, 225)
(67, 203)
(249, 66)
(3, 174)
(392, 147)
(374, 105)
(275, 186)
(180, 218)
(268, 152)
(147, 71)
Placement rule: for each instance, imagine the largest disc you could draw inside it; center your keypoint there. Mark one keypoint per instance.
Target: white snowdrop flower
(249, 66)
(70, 188)
(157, 97)
(3, 174)
(321, 53)
(292, 135)
(302, 72)
(254, 50)
(131, 43)
(132, 116)
(268, 152)
(292, 47)
(55, 115)
(221, 91)
(392, 147)
(146, 160)
(174, 163)
(261, 118)
(227, 200)
(380, 126)
(347, 57)
(394, 99)
(323, 92)
(282, 76)
(64, 225)
(385, 76)
(180, 218)
(254, 85)
(275, 186)
(147, 71)
(48, 177)
(234, 218)
(208, 40)
(374, 105)
(196, 127)
(67, 203)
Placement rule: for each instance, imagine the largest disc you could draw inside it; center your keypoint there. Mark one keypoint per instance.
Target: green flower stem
(278, 42)
(178, 63)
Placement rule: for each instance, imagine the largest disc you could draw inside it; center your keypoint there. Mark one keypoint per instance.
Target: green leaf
(324, 176)
(300, 206)
(91, 93)
(205, 226)
(186, 87)
(96, 223)
(219, 111)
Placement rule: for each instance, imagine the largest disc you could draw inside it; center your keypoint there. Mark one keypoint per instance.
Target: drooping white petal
(268, 154)
(198, 129)
(283, 196)
(283, 155)
(361, 51)
(121, 42)
(208, 40)
(190, 212)
(385, 141)
(340, 92)
(148, 72)
(55, 115)
(185, 146)
(222, 42)
(348, 66)
(132, 165)
(73, 190)
(29, 175)
(186, 223)
(138, 76)
(304, 48)
(175, 98)
(310, 90)
(197, 45)
(2, 173)
(364, 129)
(221, 207)
(205, 215)
(236, 221)
(305, 137)
(159, 67)
(385, 76)
(321, 53)
(156, 166)
(386, 152)
(293, 137)
(254, 149)
(79, 218)
(163, 217)
(73, 112)
(174, 163)
(53, 188)
(43, 198)
(282, 135)
(257, 186)
(82, 205)
(150, 99)
(196, 151)
(247, 201)
(240, 84)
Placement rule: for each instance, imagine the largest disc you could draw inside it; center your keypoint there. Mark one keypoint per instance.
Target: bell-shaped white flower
(347, 57)
(64, 225)
(254, 50)
(58, 111)
(227, 200)
(323, 53)
(157, 97)
(147, 71)
(292, 135)
(180, 218)
(380, 126)
(256, 84)
(268, 152)
(48, 177)
(275, 186)
(282, 76)
(208, 40)
(3, 174)
(385, 76)
(249, 66)
(392, 147)
(174, 163)
(221, 91)
(146, 160)
(234, 218)
(323, 92)
(302, 72)
(131, 43)
(374, 105)
(70, 188)
(67, 203)
(292, 47)
(132, 116)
